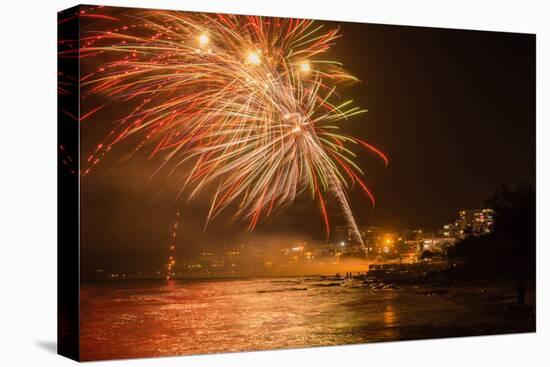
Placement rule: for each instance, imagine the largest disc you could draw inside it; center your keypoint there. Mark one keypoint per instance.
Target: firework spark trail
(248, 103)
(348, 214)
(170, 266)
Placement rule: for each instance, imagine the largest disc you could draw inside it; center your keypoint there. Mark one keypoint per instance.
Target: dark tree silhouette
(510, 249)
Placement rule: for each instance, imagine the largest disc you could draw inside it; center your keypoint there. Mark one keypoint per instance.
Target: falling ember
(245, 113)
(170, 266)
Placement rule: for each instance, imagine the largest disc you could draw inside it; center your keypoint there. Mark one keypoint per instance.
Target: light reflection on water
(390, 316)
(154, 318)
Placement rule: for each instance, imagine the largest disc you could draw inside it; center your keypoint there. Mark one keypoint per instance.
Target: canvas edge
(68, 207)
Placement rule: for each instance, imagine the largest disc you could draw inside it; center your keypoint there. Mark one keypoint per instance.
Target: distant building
(470, 222)
(346, 243)
(345, 233)
(451, 230)
(475, 221)
(409, 251)
(437, 244)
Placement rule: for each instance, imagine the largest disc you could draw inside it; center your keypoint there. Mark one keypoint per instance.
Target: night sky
(453, 110)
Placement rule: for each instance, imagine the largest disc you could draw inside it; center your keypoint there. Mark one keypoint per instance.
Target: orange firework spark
(248, 103)
(170, 266)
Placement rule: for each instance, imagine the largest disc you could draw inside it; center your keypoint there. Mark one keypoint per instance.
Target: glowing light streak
(238, 117)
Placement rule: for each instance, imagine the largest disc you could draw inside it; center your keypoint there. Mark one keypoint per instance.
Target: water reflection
(133, 319)
(157, 318)
(390, 317)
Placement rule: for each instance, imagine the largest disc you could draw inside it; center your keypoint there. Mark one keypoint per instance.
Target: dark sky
(454, 111)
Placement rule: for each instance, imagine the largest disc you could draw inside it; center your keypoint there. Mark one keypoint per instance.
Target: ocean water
(130, 319)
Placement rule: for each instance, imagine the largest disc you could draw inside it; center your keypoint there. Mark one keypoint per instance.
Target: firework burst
(248, 105)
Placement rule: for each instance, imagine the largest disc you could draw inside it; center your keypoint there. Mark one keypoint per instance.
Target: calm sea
(127, 319)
